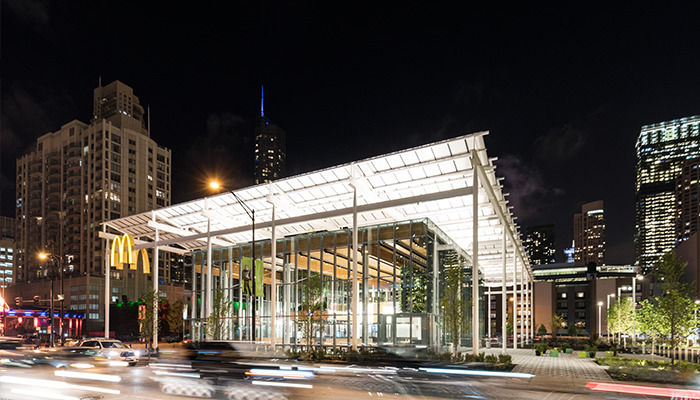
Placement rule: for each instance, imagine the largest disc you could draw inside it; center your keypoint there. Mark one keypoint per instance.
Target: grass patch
(623, 369)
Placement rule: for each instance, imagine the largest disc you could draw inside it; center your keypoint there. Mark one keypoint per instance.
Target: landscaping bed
(623, 369)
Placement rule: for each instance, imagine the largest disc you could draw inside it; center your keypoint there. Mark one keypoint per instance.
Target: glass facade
(401, 288)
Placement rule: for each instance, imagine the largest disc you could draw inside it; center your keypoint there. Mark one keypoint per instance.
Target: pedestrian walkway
(566, 365)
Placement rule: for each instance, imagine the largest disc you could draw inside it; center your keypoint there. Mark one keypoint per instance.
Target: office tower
(662, 149)
(270, 148)
(589, 234)
(540, 244)
(73, 179)
(687, 201)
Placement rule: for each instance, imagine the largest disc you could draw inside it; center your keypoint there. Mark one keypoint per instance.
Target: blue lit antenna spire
(262, 100)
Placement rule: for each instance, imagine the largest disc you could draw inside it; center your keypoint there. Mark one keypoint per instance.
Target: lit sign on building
(123, 253)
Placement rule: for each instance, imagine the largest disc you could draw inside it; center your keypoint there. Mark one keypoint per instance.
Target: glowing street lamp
(634, 308)
(600, 327)
(607, 323)
(59, 261)
(251, 213)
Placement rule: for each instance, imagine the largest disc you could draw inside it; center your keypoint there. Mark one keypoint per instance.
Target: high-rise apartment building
(662, 149)
(77, 177)
(540, 244)
(7, 246)
(589, 234)
(270, 149)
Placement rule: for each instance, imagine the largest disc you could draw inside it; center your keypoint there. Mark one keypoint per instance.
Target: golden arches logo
(123, 253)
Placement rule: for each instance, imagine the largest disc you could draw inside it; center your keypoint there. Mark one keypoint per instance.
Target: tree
(148, 301)
(556, 323)
(310, 316)
(452, 301)
(573, 330)
(542, 330)
(620, 316)
(649, 321)
(674, 305)
(173, 318)
(216, 322)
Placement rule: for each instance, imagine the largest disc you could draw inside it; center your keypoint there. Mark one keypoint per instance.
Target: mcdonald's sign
(123, 253)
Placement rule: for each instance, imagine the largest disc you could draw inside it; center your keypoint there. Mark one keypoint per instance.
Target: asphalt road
(154, 381)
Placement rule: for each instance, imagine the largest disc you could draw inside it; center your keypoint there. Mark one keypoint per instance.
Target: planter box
(582, 354)
(569, 351)
(553, 353)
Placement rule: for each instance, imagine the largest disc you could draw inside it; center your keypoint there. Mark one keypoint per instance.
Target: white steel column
(210, 275)
(355, 283)
(155, 290)
(475, 260)
(193, 312)
(107, 284)
(515, 300)
(504, 298)
(488, 312)
(273, 285)
(523, 327)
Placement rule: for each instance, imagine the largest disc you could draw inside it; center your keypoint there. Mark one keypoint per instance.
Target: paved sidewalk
(565, 366)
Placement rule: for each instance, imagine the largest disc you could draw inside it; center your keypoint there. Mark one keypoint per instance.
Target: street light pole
(634, 308)
(619, 307)
(600, 326)
(607, 322)
(251, 213)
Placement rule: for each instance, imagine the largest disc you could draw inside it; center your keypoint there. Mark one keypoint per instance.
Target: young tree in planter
(556, 323)
(674, 304)
(649, 321)
(311, 306)
(620, 316)
(216, 322)
(173, 318)
(542, 330)
(452, 301)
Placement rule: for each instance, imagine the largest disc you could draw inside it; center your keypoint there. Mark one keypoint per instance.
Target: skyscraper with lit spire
(270, 148)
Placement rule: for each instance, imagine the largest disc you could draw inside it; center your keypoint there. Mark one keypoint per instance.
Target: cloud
(528, 192)
(34, 12)
(560, 143)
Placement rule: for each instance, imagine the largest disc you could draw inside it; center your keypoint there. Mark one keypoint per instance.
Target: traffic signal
(18, 301)
(36, 301)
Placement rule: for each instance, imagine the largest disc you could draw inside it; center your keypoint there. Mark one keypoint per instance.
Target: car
(111, 349)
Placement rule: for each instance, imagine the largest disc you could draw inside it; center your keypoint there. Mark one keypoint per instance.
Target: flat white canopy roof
(433, 181)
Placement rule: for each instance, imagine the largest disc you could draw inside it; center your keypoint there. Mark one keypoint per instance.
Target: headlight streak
(644, 390)
(283, 384)
(45, 383)
(88, 375)
(169, 366)
(81, 365)
(474, 372)
(118, 363)
(280, 373)
(367, 370)
(180, 374)
(39, 394)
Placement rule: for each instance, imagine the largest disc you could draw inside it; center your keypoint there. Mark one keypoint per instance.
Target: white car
(112, 349)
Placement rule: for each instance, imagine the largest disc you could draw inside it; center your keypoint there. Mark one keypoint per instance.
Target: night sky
(563, 90)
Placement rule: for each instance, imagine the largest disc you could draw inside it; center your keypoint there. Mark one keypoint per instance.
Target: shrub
(541, 347)
(491, 359)
(505, 359)
(591, 350)
(565, 345)
(480, 357)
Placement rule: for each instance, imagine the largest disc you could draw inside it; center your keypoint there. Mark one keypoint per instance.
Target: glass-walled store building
(377, 252)
(401, 282)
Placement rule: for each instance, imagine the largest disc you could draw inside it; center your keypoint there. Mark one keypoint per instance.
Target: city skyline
(563, 102)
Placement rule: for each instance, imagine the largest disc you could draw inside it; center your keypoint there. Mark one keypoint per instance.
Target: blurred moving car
(112, 349)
